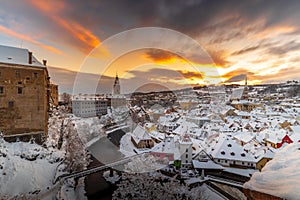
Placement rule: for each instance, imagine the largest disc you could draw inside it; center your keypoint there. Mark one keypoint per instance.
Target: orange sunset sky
(256, 38)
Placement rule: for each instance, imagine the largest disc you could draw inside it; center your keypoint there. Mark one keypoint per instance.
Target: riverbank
(103, 151)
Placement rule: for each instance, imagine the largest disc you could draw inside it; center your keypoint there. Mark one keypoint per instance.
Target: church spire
(116, 87)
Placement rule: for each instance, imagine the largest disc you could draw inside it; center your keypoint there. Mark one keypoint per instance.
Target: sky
(174, 44)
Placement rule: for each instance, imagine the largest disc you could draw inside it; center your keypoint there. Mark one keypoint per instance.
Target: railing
(96, 169)
(225, 181)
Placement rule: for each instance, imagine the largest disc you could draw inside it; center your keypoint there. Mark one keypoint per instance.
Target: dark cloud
(236, 78)
(160, 55)
(238, 75)
(191, 17)
(202, 57)
(218, 58)
(103, 84)
(285, 48)
(246, 50)
(66, 81)
(191, 75)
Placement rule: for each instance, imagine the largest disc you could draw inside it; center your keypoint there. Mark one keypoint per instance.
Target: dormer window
(223, 152)
(243, 154)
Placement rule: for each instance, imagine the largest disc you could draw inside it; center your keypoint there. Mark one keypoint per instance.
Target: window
(1, 90)
(10, 104)
(20, 90)
(186, 155)
(35, 74)
(18, 74)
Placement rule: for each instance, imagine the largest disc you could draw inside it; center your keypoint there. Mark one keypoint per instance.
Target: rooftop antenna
(246, 81)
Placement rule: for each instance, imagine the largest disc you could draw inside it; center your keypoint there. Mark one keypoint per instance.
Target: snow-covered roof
(237, 93)
(209, 164)
(295, 129)
(226, 148)
(14, 55)
(139, 134)
(244, 136)
(168, 146)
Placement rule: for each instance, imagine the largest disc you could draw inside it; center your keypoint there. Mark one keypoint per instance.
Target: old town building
(24, 95)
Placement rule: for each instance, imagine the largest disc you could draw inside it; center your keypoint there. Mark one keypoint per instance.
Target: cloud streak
(54, 10)
(28, 39)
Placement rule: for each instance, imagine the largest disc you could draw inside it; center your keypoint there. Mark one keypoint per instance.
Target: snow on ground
(89, 129)
(126, 146)
(19, 175)
(27, 170)
(158, 186)
(143, 163)
(281, 176)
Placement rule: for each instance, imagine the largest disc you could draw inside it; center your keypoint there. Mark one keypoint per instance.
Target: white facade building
(89, 107)
(185, 149)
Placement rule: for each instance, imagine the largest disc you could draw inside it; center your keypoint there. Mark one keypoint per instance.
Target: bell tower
(116, 87)
(246, 89)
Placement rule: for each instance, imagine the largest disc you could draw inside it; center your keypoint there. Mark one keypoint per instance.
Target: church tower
(245, 95)
(116, 87)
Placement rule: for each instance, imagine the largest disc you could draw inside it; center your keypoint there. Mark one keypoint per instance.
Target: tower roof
(116, 80)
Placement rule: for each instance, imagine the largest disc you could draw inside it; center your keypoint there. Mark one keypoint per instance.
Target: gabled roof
(226, 148)
(206, 165)
(139, 134)
(237, 93)
(167, 146)
(244, 137)
(13, 55)
(295, 129)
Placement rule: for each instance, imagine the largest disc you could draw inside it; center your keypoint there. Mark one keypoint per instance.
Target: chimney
(45, 62)
(29, 57)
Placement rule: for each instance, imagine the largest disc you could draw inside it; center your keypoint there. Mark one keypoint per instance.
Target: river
(104, 151)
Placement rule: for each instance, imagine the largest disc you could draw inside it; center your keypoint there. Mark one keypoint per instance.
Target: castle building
(24, 95)
(54, 94)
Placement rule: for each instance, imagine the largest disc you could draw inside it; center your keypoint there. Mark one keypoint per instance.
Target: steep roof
(226, 148)
(14, 55)
(168, 146)
(139, 134)
(237, 93)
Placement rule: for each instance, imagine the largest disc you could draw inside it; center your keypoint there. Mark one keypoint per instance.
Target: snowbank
(26, 168)
(281, 176)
